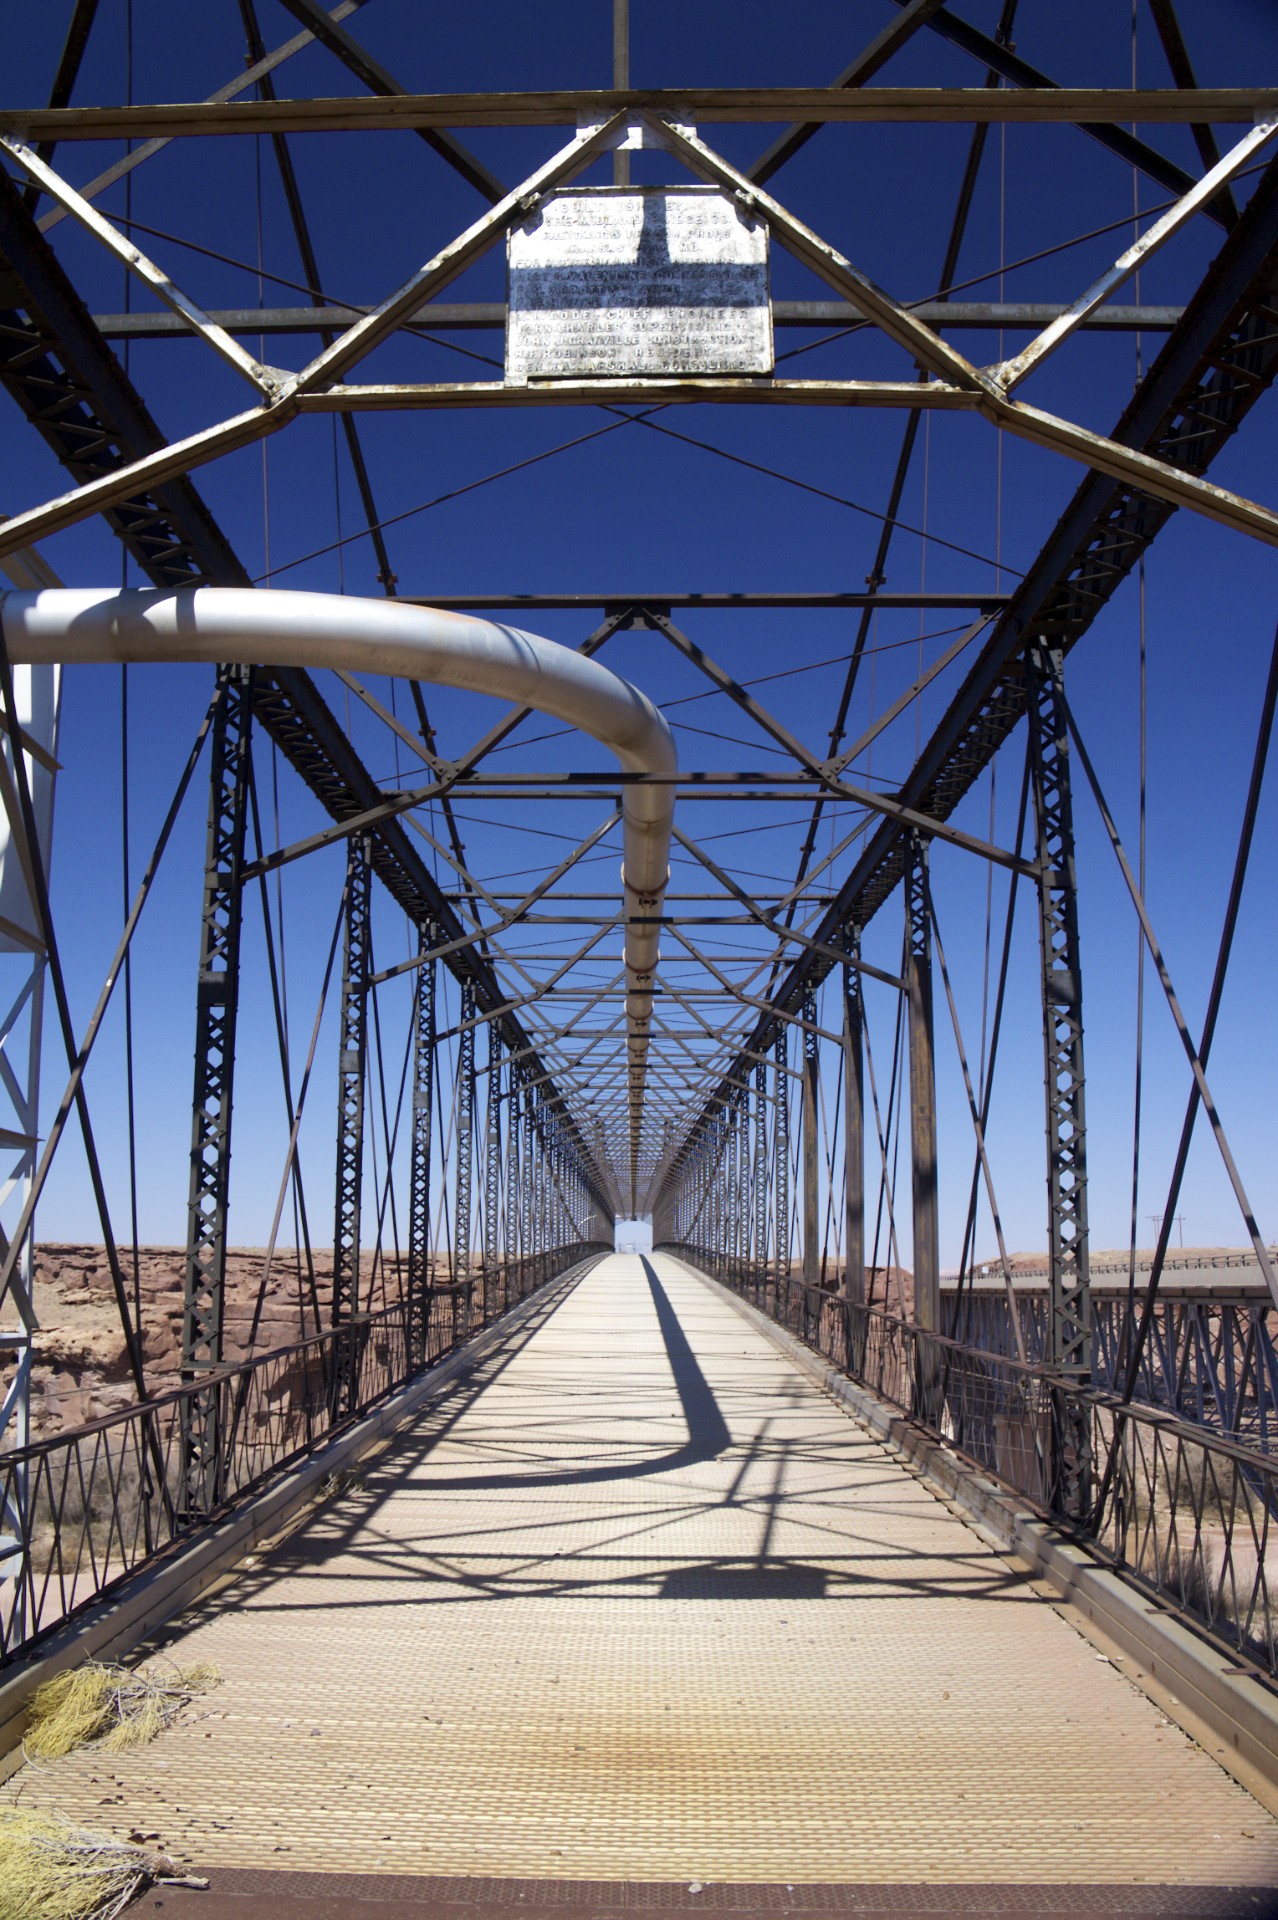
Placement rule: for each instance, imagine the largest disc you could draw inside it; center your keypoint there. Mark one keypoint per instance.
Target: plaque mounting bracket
(636, 133)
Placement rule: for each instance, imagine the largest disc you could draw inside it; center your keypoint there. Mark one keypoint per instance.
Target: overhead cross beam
(260, 69)
(958, 384)
(327, 368)
(1001, 59)
(867, 63)
(1216, 365)
(339, 40)
(73, 48)
(310, 270)
(1108, 109)
(1182, 72)
(65, 378)
(470, 316)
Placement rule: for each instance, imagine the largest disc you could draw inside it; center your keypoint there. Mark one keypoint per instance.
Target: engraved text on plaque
(647, 281)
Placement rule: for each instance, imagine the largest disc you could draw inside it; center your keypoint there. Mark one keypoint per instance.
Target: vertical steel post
(811, 1121)
(620, 78)
(918, 978)
(711, 1218)
(727, 1187)
(697, 1198)
(760, 1181)
(781, 1148)
(733, 1184)
(1069, 1337)
(351, 1076)
(559, 1212)
(553, 1206)
(15, 1430)
(419, 1247)
(745, 1193)
(352, 1072)
(527, 1215)
(543, 1187)
(465, 1138)
(724, 1181)
(854, 1125)
(552, 1191)
(216, 1005)
(513, 1248)
(492, 1172)
(532, 1176)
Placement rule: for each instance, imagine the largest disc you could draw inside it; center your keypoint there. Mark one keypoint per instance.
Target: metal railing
(1187, 1513)
(102, 1501)
(1212, 1361)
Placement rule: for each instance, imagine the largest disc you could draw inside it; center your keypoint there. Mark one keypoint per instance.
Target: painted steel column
(761, 1213)
(1069, 1348)
(745, 1185)
(918, 977)
(734, 1192)
(745, 1190)
(552, 1193)
(216, 1004)
(811, 1121)
(352, 1065)
(419, 1248)
(854, 1126)
(543, 1191)
(717, 1174)
(723, 1190)
(465, 1136)
(781, 1147)
(492, 1171)
(351, 1075)
(537, 1209)
(1069, 1332)
(526, 1214)
(513, 1288)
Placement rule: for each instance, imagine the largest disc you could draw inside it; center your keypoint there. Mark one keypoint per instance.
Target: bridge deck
(636, 1602)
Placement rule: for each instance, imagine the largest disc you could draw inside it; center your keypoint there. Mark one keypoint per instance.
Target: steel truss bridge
(509, 1082)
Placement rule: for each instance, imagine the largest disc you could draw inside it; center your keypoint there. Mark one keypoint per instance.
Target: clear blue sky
(635, 508)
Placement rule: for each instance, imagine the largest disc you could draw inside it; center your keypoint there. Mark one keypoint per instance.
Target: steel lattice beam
(465, 1133)
(811, 1122)
(1217, 363)
(1036, 101)
(492, 1159)
(216, 1006)
(419, 1249)
(854, 1131)
(1069, 1349)
(922, 1050)
(351, 1072)
(63, 375)
(781, 1149)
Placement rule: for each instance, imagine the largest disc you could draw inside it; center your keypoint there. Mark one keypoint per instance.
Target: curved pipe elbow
(250, 626)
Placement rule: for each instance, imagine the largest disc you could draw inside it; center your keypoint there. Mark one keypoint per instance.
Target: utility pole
(1156, 1222)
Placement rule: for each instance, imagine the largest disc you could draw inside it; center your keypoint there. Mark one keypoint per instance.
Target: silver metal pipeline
(253, 626)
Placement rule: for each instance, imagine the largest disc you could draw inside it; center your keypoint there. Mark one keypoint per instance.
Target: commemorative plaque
(607, 282)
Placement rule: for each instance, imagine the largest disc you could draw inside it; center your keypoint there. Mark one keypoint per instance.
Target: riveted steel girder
(55, 363)
(1218, 361)
(216, 1007)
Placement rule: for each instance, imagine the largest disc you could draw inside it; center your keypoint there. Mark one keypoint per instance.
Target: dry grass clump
(50, 1870)
(114, 1705)
(345, 1480)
